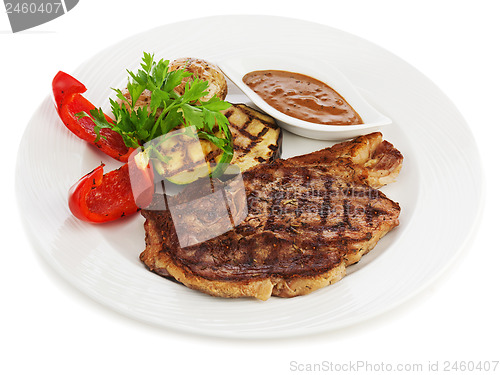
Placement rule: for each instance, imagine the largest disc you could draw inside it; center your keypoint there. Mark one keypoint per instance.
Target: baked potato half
(205, 71)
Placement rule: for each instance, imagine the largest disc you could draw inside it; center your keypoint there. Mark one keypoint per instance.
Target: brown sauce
(302, 97)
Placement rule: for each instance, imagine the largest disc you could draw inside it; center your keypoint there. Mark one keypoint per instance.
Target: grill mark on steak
(372, 212)
(305, 223)
(325, 205)
(347, 209)
(272, 248)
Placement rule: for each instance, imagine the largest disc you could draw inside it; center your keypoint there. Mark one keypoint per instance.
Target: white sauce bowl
(235, 69)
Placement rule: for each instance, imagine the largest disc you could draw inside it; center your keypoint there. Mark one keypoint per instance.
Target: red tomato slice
(99, 197)
(69, 101)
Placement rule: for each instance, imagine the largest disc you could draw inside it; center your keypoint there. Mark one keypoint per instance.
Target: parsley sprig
(167, 109)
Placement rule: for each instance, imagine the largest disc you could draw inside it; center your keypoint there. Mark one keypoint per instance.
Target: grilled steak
(367, 159)
(307, 218)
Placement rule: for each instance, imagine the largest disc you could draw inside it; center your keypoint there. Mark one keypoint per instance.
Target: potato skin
(204, 70)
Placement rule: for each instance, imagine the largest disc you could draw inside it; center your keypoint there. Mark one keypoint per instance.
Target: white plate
(439, 188)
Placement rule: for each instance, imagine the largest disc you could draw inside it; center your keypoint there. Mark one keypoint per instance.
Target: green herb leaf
(167, 109)
(215, 104)
(192, 116)
(195, 90)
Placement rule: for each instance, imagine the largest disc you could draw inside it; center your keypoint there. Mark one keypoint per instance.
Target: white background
(47, 326)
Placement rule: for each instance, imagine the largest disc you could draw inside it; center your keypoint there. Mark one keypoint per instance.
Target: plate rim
(470, 235)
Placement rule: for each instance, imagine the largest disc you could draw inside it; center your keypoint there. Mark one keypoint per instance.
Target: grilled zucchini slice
(256, 136)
